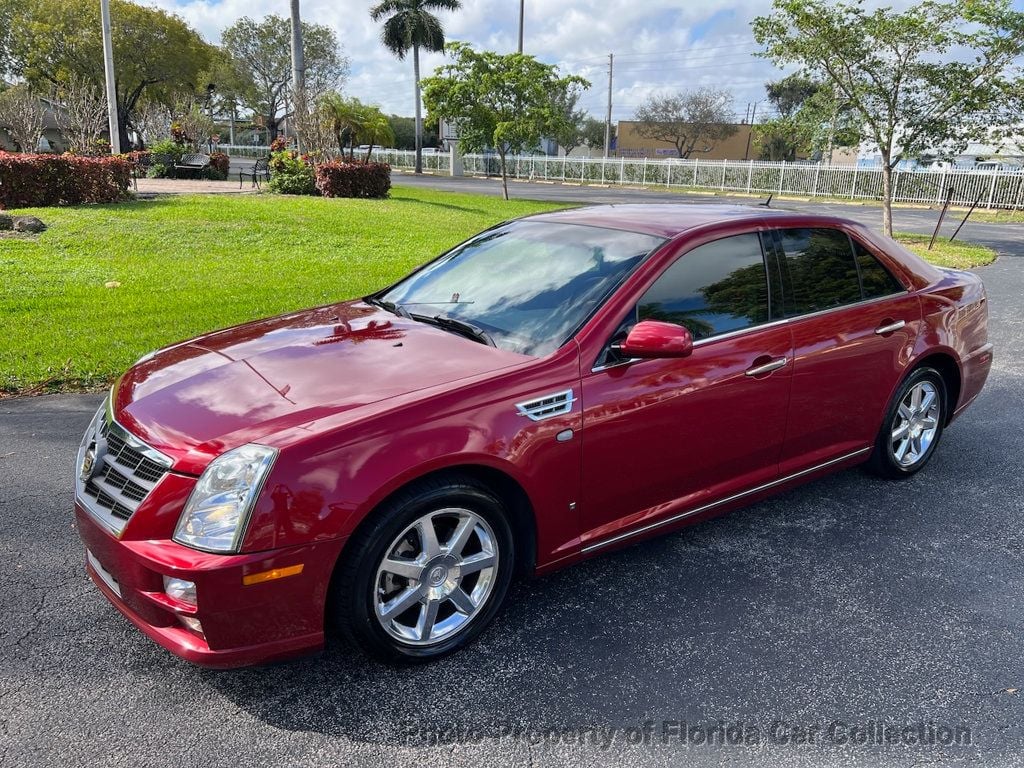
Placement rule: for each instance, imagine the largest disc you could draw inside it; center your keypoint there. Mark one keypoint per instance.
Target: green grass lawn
(957, 254)
(179, 266)
(192, 264)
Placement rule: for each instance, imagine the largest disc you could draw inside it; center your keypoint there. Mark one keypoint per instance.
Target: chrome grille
(125, 471)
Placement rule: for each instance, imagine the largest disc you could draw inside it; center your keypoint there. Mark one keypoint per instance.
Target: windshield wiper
(390, 306)
(463, 327)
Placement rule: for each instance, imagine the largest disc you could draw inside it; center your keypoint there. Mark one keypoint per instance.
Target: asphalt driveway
(799, 627)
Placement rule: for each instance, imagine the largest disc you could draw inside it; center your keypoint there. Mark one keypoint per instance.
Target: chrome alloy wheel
(436, 576)
(916, 423)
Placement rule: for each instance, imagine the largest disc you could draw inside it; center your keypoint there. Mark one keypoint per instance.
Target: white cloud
(659, 44)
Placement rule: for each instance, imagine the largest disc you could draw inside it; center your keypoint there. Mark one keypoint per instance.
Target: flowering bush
(280, 144)
(340, 179)
(291, 173)
(38, 180)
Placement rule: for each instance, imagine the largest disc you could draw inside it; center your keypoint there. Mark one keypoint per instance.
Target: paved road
(905, 219)
(851, 600)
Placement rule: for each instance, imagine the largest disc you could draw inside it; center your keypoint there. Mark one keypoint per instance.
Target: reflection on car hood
(202, 397)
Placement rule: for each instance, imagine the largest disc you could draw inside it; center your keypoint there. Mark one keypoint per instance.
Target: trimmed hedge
(28, 181)
(337, 179)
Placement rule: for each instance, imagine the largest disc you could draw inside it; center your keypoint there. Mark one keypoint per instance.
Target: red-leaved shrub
(38, 180)
(336, 179)
(220, 162)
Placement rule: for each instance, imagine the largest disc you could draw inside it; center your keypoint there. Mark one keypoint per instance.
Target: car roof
(670, 219)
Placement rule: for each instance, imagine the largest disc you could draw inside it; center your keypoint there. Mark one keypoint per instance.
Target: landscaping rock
(28, 224)
(6, 221)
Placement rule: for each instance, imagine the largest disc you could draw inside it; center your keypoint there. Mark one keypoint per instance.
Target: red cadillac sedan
(555, 387)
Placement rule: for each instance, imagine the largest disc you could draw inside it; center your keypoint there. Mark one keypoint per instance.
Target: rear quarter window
(875, 279)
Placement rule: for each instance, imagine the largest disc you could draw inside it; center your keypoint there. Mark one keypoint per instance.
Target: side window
(715, 288)
(822, 272)
(874, 277)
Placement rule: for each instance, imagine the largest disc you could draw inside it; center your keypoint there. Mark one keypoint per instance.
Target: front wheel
(912, 427)
(428, 574)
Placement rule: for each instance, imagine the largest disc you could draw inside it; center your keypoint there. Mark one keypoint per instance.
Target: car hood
(197, 399)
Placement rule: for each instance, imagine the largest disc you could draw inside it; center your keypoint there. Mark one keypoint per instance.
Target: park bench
(261, 170)
(193, 162)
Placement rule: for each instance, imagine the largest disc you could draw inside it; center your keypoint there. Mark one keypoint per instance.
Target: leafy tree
(693, 121)
(233, 89)
(262, 51)
(593, 133)
(156, 55)
(504, 102)
(934, 75)
(789, 132)
(410, 25)
(23, 113)
(571, 134)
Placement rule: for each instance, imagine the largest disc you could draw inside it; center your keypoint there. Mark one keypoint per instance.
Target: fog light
(192, 623)
(181, 590)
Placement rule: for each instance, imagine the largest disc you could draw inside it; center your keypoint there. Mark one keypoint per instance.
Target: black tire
(884, 461)
(357, 583)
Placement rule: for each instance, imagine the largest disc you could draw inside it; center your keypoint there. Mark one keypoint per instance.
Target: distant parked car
(554, 388)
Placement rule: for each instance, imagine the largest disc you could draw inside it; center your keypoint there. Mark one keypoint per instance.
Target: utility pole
(608, 120)
(298, 65)
(108, 71)
(750, 130)
(522, 14)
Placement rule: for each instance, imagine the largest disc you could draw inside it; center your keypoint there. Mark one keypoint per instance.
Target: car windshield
(528, 285)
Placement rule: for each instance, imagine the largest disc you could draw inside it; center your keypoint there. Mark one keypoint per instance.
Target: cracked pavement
(849, 600)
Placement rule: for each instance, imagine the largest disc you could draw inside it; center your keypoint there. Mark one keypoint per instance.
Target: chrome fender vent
(548, 406)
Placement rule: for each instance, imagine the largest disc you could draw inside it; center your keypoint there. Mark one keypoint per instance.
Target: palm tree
(376, 130)
(344, 116)
(409, 24)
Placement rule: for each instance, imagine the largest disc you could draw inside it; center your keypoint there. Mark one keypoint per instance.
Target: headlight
(218, 509)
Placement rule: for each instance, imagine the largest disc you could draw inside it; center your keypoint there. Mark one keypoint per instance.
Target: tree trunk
(504, 175)
(886, 195)
(122, 128)
(419, 112)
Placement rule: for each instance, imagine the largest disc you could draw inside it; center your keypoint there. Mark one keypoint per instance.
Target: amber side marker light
(274, 573)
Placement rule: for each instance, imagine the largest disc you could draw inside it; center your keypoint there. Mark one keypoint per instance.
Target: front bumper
(241, 625)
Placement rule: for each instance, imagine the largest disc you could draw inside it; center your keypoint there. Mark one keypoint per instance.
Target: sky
(659, 45)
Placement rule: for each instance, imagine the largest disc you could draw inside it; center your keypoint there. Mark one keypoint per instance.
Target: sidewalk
(148, 187)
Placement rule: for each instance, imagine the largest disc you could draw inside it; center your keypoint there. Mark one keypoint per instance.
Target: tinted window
(822, 272)
(874, 278)
(715, 288)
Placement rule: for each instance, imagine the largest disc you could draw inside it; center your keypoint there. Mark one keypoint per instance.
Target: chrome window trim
(762, 326)
(720, 502)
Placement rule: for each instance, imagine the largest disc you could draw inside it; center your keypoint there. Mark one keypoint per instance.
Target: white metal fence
(989, 189)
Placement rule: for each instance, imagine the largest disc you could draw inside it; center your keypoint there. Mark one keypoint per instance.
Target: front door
(661, 436)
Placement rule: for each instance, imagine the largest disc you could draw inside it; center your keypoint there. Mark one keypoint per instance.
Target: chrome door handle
(890, 327)
(774, 365)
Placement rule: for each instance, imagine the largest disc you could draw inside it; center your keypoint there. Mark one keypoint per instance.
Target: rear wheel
(428, 574)
(912, 427)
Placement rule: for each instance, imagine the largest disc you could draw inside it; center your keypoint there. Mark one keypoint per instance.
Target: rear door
(853, 328)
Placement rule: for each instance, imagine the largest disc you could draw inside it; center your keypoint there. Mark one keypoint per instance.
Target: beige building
(740, 146)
